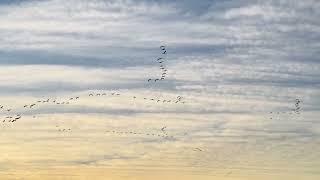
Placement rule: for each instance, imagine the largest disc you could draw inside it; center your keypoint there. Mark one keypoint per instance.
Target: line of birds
(161, 62)
(295, 110)
(32, 105)
(163, 135)
(53, 101)
(74, 99)
(11, 118)
(297, 106)
(177, 100)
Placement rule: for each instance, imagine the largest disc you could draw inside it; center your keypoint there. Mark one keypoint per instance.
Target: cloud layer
(233, 62)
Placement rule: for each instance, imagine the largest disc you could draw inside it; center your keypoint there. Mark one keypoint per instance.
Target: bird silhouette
(198, 149)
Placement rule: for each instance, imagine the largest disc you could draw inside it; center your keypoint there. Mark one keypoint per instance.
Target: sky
(239, 99)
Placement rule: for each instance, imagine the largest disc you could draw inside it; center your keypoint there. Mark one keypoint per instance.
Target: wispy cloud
(233, 62)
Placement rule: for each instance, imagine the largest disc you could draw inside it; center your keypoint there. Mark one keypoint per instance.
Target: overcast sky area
(226, 108)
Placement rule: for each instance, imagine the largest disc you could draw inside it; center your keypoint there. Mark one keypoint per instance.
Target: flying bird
(198, 149)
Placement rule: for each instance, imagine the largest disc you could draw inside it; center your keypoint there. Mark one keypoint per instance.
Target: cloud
(232, 61)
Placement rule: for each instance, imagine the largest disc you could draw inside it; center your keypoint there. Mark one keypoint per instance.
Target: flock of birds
(161, 61)
(295, 110)
(159, 135)
(179, 99)
(162, 66)
(70, 100)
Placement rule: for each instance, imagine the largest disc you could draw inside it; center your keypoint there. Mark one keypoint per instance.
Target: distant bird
(158, 100)
(25, 106)
(198, 149)
(134, 97)
(77, 97)
(8, 110)
(159, 59)
(156, 80)
(163, 129)
(149, 80)
(164, 52)
(90, 94)
(162, 47)
(70, 98)
(104, 94)
(98, 94)
(228, 173)
(118, 94)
